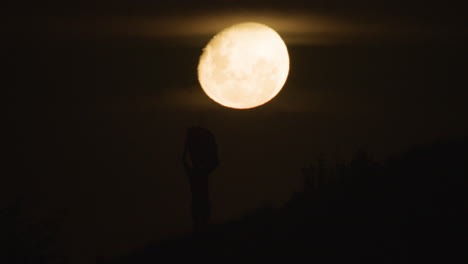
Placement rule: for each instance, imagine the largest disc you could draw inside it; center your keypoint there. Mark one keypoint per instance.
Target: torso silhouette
(202, 149)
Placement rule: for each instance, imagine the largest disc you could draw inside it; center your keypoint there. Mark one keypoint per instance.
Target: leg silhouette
(200, 159)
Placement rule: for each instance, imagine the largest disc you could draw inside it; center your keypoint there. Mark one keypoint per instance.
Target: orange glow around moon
(244, 66)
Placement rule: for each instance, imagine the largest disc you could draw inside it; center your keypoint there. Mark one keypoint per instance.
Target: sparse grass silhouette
(405, 210)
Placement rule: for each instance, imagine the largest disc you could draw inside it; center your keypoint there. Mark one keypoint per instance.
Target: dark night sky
(100, 97)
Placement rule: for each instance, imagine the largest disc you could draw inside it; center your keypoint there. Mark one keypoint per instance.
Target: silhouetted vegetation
(408, 209)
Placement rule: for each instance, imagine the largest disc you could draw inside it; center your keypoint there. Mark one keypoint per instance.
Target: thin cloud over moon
(302, 28)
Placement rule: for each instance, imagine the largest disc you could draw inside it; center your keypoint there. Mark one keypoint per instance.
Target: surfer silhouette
(200, 158)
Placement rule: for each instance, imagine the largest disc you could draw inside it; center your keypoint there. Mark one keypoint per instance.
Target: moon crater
(244, 66)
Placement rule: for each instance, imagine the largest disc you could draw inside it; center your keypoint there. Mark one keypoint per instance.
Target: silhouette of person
(200, 158)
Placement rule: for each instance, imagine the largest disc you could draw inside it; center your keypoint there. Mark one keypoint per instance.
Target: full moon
(244, 66)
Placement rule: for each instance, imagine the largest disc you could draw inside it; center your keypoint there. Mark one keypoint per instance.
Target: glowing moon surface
(244, 66)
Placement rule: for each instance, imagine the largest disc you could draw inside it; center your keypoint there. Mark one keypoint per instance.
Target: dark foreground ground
(408, 210)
